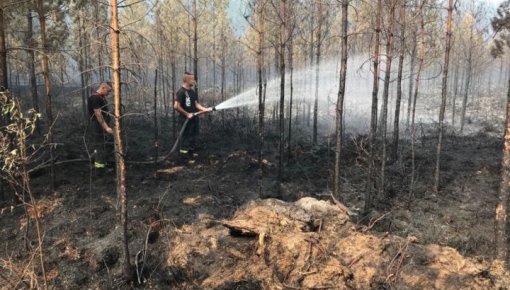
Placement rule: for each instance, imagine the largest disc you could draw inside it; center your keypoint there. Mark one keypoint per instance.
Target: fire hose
(177, 140)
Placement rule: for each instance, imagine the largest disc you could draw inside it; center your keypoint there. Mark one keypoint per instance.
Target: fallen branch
(242, 227)
(355, 260)
(308, 273)
(46, 165)
(396, 262)
(340, 205)
(261, 246)
(372, 223)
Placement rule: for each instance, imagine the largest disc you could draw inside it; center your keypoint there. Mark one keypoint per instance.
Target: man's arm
(202, 108)
(101, 121)
(178, 107)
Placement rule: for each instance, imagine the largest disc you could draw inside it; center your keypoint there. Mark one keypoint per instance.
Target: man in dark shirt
(99, 119)
(186, 103)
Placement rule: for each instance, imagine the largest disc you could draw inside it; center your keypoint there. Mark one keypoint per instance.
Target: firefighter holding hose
(187, 104)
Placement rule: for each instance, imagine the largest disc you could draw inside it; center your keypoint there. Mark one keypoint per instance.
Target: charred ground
(176, 210)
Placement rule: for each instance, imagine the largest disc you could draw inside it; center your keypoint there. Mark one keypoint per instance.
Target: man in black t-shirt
(186, 103)
(99, 119)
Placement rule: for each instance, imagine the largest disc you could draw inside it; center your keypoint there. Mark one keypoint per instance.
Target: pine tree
(501, 25)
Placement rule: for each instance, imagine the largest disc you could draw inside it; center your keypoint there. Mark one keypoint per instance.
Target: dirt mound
(311, 244)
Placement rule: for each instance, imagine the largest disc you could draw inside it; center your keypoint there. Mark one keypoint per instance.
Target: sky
(235, 12)
(236, 9)
(495, 2)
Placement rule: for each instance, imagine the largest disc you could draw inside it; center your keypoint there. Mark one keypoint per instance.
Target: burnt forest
(254, 144)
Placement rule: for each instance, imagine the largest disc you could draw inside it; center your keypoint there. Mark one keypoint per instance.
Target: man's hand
(210, 109)
(99, 117)
(189, 115)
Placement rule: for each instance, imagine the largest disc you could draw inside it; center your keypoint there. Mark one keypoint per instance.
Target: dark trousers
(99, 143)
(190, 134)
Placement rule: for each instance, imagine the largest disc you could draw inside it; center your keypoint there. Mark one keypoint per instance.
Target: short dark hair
(185, 75)
(105, 85)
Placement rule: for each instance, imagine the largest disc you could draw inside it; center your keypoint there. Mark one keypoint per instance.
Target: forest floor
(200, 223)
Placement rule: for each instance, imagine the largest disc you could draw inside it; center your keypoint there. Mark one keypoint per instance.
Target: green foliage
(16, 128)
(502, 20)
(501, 26)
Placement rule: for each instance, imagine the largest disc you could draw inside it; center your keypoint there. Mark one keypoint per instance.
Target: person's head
(188, 79)
(104, 89)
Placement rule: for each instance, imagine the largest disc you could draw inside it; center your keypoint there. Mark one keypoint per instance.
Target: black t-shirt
(187, 99)
(96, 101)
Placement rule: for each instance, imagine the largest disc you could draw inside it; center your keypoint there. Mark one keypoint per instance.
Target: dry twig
(396, 262)
(372, 223)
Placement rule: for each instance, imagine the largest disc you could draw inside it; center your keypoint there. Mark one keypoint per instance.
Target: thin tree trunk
(260, 64)
(444, 93)
(86, 65)
(465, 99)
(373, 120)
(174, 120)
(161, 67)
(156, 141)
(317, 71)
(81, 67)
(163, 86)
(275, 110)
(47, 84)
(309, 73)
(188, 56)
(3, 53)
(415, 98)
(25, 177)
(264, 75)
(18, 84)
(468, 81)
(100, 47)
(163, 79)
(504, 192)
(467, 84)
(10, 78)
(31, 61)
(411, 74)
(276, 60)
(337, 186)
(461, 86)
(282, 89)
(206, 81)
(386, 91)
(223, 74)
(455, 92)
(396, 121)
(195, 44)
(291, 80)
(117, 133)
(214, 56)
